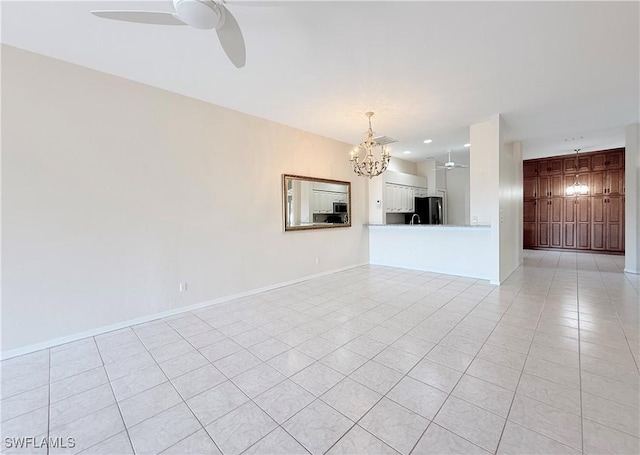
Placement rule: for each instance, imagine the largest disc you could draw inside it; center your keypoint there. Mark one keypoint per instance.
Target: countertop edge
(429, 226)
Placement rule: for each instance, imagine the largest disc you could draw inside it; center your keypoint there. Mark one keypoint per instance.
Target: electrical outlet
(182, 287)
(475, 220)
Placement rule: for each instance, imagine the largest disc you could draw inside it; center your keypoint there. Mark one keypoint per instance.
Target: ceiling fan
(202, 14)
(451, 165)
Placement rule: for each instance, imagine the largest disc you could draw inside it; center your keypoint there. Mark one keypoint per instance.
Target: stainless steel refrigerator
(430, 210)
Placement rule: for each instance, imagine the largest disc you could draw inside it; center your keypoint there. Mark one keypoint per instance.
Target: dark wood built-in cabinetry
(593, 221)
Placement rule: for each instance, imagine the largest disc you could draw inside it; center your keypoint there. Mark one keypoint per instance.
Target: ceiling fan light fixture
(202, 14)
(467, 145)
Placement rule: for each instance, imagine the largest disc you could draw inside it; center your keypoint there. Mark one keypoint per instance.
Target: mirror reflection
(314, 203)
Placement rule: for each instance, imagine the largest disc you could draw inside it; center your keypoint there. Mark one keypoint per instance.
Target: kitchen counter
(433, 226)
(454, 250)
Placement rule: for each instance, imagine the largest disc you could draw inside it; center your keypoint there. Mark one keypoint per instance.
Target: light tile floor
(370, 360)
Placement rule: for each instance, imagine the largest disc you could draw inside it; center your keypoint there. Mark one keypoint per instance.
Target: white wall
(484, 185)
(458, 196)
(404, 166)
(510, 208)
(632, 199)
(114, 192)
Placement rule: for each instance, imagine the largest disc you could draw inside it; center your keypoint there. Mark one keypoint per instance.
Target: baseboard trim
(152, 317)
(634, 271)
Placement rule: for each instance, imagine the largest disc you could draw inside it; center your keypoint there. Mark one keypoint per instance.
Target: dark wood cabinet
(608, 160)
(529, 223)
(530, 169)
(615, 182)
(550, 222)
(584, 164)
(576, 231)
(551, 186)
(592, 221)
(607, 223)
(614, 213)
(551, 166)
(530, 187)
(583, 223)
(607, 182)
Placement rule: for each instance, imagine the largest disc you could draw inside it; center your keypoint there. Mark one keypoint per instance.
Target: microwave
(339, 207)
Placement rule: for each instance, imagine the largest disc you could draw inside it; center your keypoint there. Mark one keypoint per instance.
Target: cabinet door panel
(615, 182)
(557, 186)
(583, 236)
(543, 234)
(543, 210)
(597, 209)
(598, 235)
(529, 169)
(598, 226)
(570, 210)
(584, 164)
(556, 235)
(529, 211)
(598, 183)
(529, 235)
(530, 187)
(556, 210)
(614, 237)
(583, 223)
(551, 166)
(614, 160)
(613, 209)
(569, 235)
(544, 186)
(582, 209)
(412, 195)
(598, 162)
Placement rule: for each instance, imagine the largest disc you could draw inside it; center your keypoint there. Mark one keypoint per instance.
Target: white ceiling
(428, 69)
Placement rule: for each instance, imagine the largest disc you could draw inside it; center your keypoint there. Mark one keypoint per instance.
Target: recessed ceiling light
(406, 152)
(428, 141)
(569, 139)
(467, 145)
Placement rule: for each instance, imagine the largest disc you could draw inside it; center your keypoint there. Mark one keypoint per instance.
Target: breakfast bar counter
(449, 249)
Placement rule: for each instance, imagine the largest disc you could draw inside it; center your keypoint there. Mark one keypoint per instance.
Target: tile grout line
(404, 376)
(619, 319)
(515, 392)
(450, 394)
(580, 353)
(355, 423)
(117, 403)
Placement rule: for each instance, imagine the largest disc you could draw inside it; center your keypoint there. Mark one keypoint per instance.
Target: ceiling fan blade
(231, 39)
(141, 17)
(461, 165)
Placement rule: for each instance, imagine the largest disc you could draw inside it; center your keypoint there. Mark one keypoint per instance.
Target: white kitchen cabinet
(400, 198)
(323, 200)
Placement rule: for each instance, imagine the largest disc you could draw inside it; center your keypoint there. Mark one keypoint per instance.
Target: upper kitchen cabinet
(610, 160)
(552, 166)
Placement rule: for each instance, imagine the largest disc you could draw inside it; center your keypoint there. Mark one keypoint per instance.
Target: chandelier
(368, 165)
(577, 188)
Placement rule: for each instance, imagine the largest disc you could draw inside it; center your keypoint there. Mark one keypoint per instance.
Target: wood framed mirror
(315, 203)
